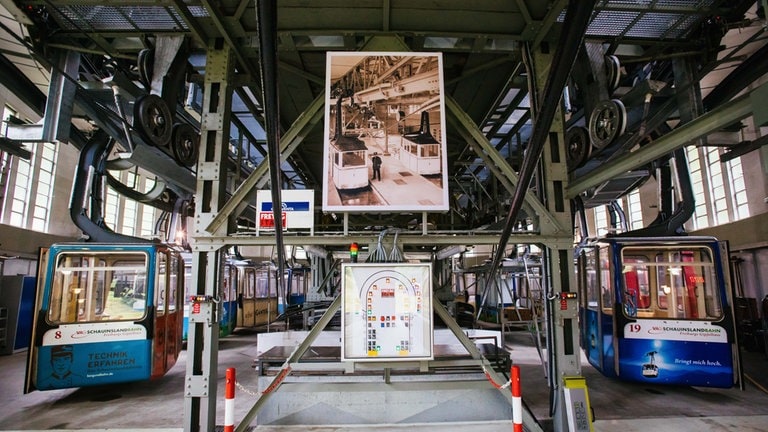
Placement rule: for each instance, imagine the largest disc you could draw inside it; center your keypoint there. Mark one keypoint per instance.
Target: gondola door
(728, 294)
(589, 278)
(175, 310)
(168, 325)
(247, 298)
(34, 347)
(160, 342)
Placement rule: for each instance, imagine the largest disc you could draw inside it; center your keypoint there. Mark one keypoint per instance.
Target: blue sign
(287, 206)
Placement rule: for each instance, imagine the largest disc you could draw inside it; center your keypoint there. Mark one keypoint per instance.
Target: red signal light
(353, 249)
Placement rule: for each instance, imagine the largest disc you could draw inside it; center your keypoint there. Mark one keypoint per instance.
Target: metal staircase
(515, 301)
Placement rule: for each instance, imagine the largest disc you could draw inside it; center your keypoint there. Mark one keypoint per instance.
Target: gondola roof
(347, 143)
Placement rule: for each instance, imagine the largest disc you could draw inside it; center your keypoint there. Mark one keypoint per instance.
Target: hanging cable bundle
(379, 254)
(396, 255)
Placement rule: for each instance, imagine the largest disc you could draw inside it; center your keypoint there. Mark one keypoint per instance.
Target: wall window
(601, 221)
(19, 192)
(125, 215)
(30, 187)
(129, 217)
(130, 208)
(700, 217)
(148, 212)
(738, 189)
(717, 190)
(635, 213)
(45, 175)
(111, 208)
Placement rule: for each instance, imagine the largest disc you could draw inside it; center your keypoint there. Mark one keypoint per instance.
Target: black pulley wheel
(607, 122)
(185, 144)
(612, 72)
(578, 145)
(152, 118)
(145, 64)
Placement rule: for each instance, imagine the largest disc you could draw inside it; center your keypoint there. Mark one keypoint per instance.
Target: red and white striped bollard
(517, 400)
(229, 401)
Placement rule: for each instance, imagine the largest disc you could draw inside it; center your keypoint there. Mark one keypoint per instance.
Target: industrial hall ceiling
(135, 57)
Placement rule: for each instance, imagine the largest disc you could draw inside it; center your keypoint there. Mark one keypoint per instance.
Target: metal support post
(61, 96)
(202, 344)
(562, 317)
(203, 336)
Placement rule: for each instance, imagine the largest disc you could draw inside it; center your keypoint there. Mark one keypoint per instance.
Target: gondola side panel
(32, 353)
(94, 363)
(676, 356)
(729, 306)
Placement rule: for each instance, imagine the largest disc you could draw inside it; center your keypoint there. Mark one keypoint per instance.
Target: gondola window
(670, 284)
(81, 293)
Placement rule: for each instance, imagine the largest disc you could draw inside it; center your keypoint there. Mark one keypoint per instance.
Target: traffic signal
(353, 248)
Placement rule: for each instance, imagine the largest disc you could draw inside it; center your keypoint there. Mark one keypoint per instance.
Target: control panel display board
(386, 312)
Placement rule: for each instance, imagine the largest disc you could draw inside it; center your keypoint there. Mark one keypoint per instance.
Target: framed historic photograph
(384, 133)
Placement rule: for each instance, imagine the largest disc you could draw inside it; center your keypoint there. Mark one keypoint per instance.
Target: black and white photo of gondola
(385, 133)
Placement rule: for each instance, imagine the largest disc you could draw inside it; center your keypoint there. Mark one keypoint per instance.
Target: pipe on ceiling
(577, 18)
(266, 25)
(743, 75)
(88, 177)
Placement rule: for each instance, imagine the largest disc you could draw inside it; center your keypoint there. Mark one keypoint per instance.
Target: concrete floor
(159, 405)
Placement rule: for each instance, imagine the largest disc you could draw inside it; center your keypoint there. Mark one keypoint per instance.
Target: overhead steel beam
(341, 240)
(486, 66)
(242, 7)
(503, 178)
(747, 72)
(288, 143)
(548, 21)
(386, 12)
(724, 115)
(14, 148)
(295, 136)
(61, 92)
(301, 73)
(547, 220)
(194, 27)
(576, 21)
(218, 21)
(525, 13)
(743, 148)
(11, 77)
